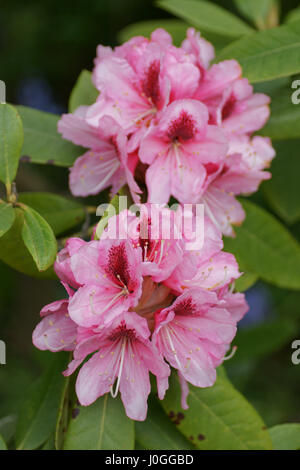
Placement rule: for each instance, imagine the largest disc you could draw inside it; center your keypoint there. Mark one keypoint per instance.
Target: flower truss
(143, 302)
(168, 120)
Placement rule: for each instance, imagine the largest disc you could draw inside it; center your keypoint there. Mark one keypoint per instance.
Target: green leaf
(267, 55)
(3, 445)
(286, 436)
(282, 190)
(176, 28)
(263, 13)
(293, 15)
(38, 415)
(7, 217)
(67, 401)
(42, 142)
(102, 425)
(11, 141)
(246, 281)
(60, 213)
(39, 238)
(207, 16)
(284, 122)
(14, 252)
(84, 92)
(265, 247)
(8, 427)
(49, 444)
(263, 339)
(218, 417)
(158, 432)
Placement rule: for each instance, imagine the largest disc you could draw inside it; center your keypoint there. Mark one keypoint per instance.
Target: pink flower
(177, 150)
(168, 119)
(56, 331)
(106, 164)
(193, 335)
(110, 275)
(62, 264)
(242, 173)
(156, 232)
(138, 299)
(122, 354)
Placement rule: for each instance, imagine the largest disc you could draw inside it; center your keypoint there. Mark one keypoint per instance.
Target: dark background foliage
(43, 47)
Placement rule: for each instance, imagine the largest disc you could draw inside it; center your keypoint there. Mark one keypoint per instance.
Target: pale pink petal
(218, 78)
(223, 209)
(216, 273)
(158, 180)
(202, 50)
(97, 375)
(93, 172)
(74, 127)
(56, 332)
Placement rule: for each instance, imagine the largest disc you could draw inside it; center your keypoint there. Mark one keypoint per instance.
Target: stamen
(166, 329)
(161, 251)
(110, 303)
(52, 349)
(115, 393)
(146, 113)
(231, 354)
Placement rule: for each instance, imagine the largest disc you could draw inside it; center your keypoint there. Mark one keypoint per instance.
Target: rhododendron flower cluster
(168, 119)
(143, 303)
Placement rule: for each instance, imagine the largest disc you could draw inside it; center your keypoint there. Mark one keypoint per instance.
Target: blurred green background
(43, 48)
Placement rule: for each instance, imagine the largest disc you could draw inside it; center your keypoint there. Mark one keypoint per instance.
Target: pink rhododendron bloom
(106, 163)
(242, 173)
(110, 275)
(193, 335)
(177, 149)
(144, 302)
(123, 353)
(166, 118)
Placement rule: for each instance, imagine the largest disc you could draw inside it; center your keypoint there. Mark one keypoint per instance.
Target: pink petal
(74, 127)
(56, 332)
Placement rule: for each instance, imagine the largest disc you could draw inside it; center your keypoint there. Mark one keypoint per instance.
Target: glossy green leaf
(284, 122)
(265, 247)
(8, 427)
(60, 213)
(282, 190)
(7, 217)
(293, 15)
(218, 417)
(68, 401)
(42, 142)
(286, 436)
(207, 16)
(38, 415)
(246, 281)
(176, 28)
(102, 425)
(263, 13)
(3, 445)
(84, 93)
(39, 238)
(49, 444)
(14, 252)
(11, 141)
(264, 339)
(158, 432)
(268, 54)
